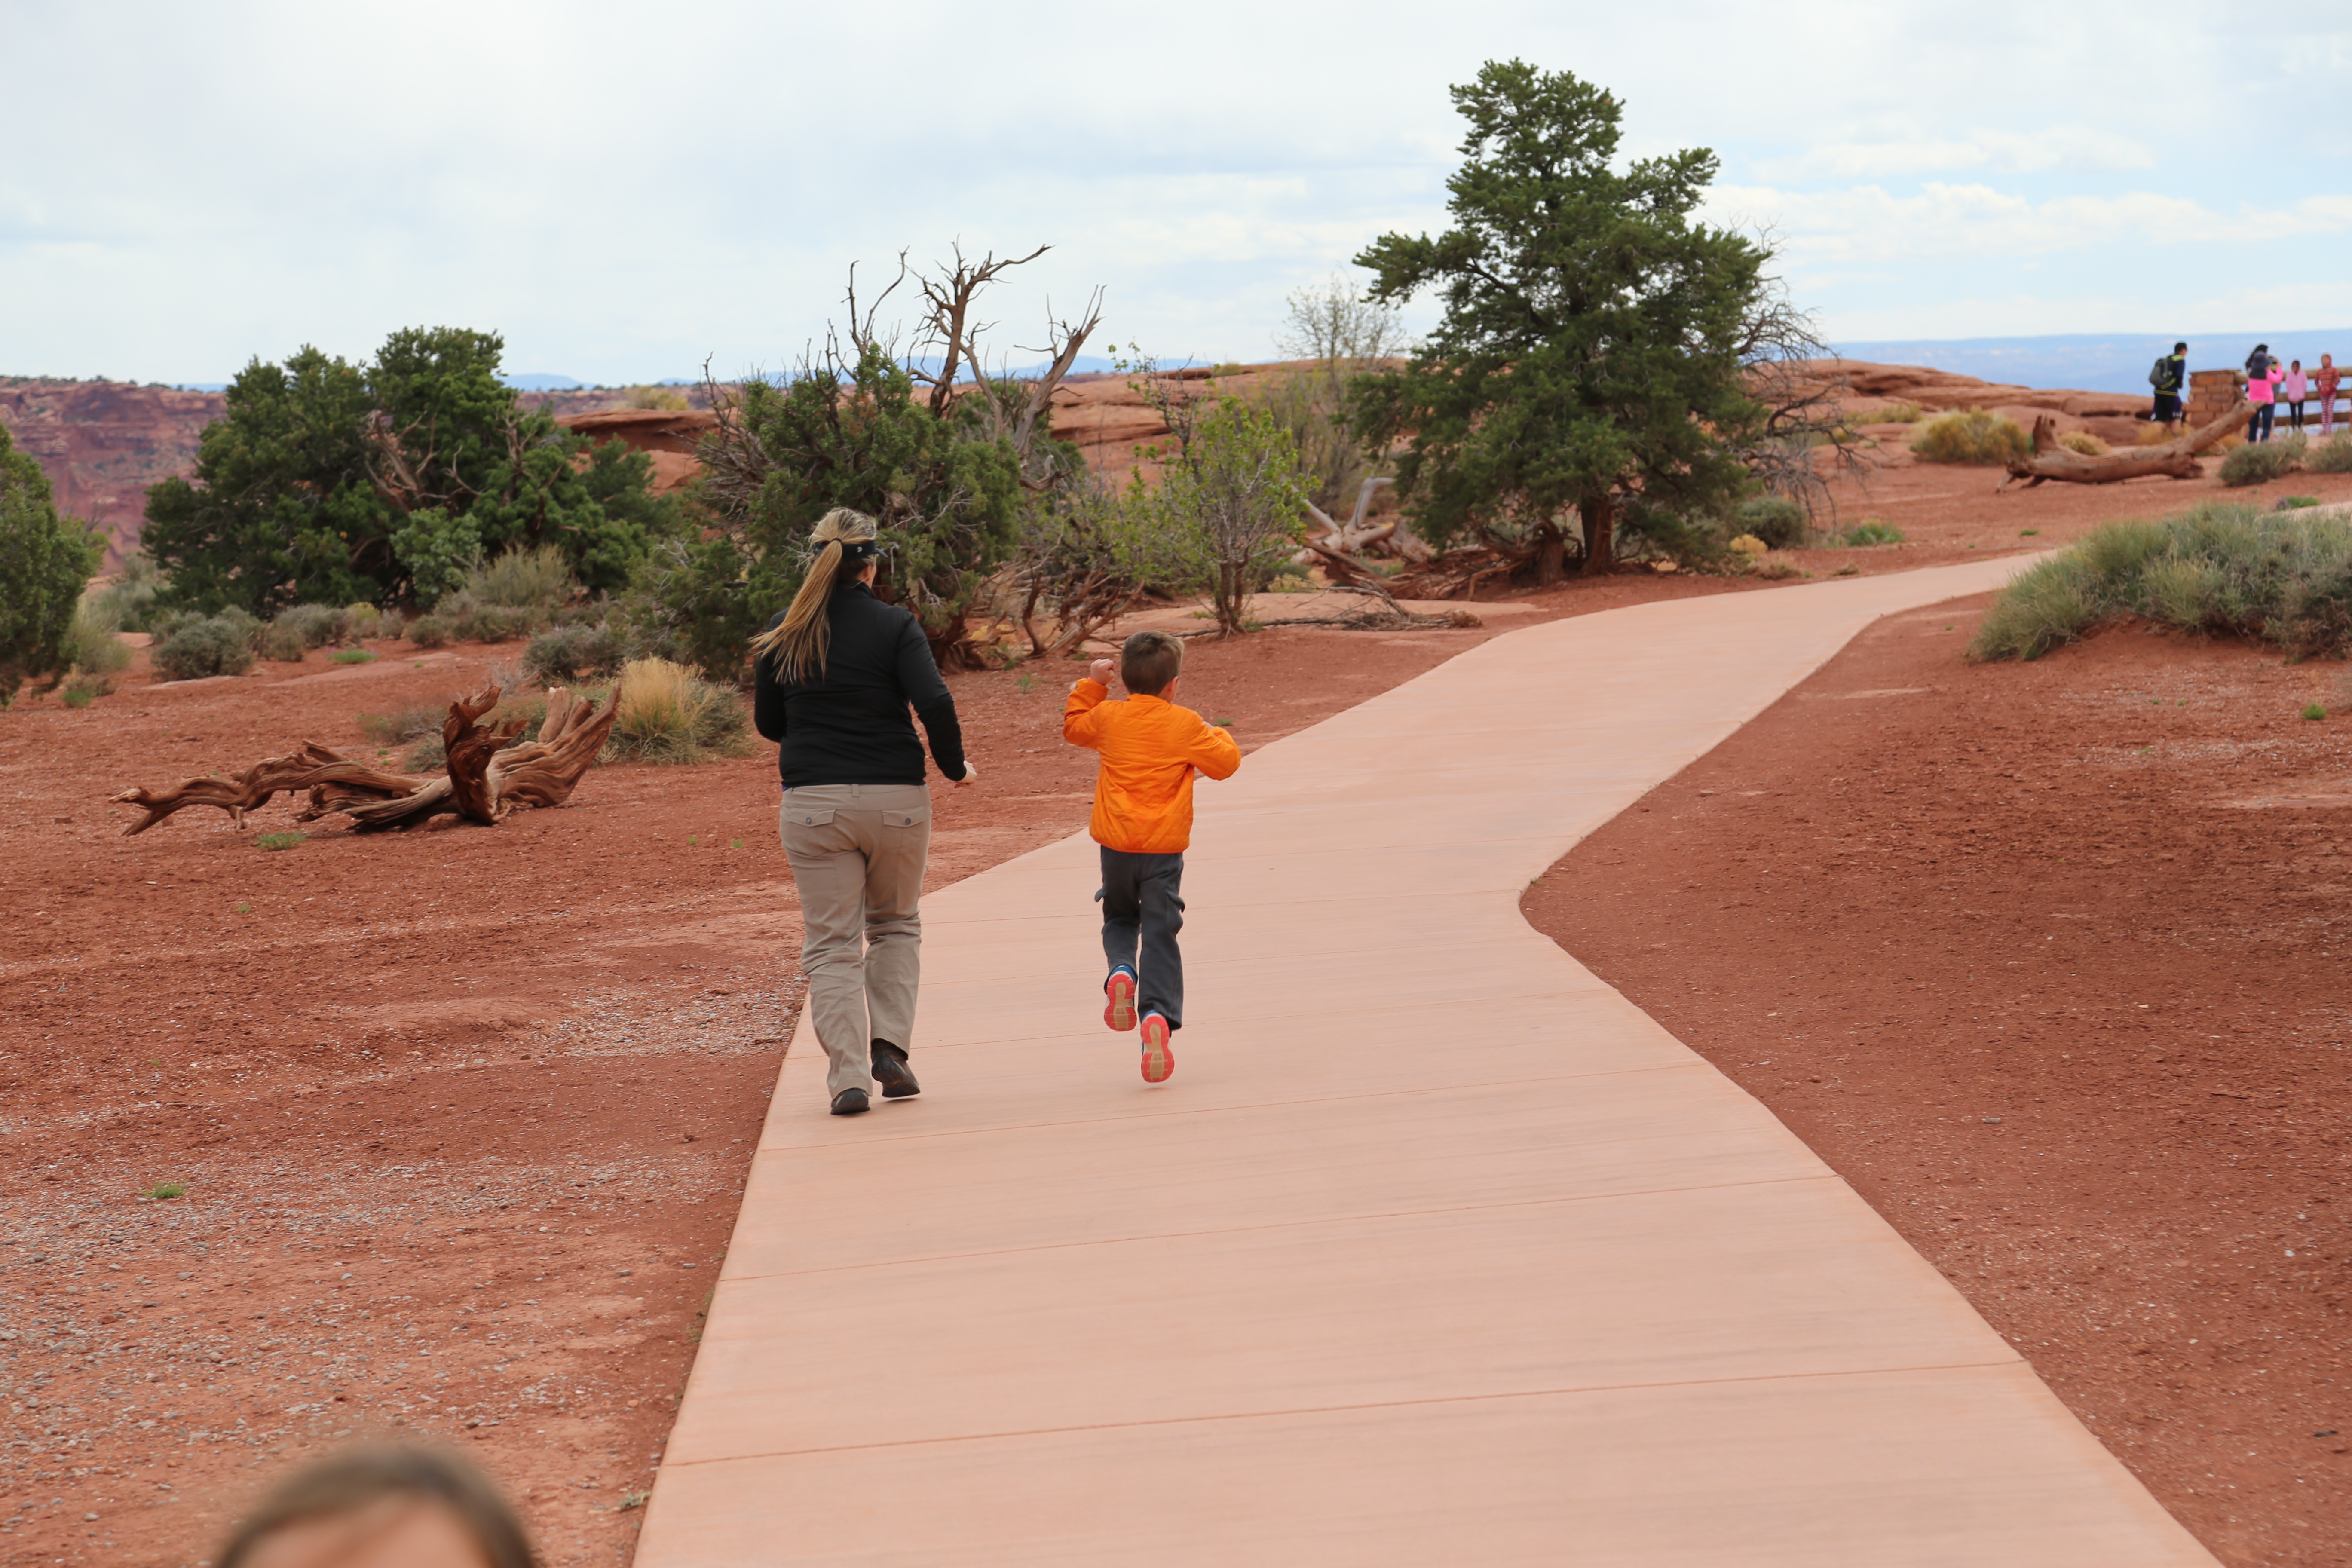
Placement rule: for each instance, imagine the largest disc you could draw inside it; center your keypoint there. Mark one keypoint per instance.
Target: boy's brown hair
(361, 1479)
(1147, 661)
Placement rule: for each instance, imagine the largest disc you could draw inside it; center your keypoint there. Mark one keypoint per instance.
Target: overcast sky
(623, 191)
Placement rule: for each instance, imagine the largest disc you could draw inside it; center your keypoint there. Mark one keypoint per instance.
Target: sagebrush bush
(90, 637)
(1871, 530)
(316, 625)
(670, 714)
(1779, 521)
(391, 729)
(1698, 543)
(574, 653)
(129, 601)
(2222, 568)
(1970, 435)
(428, 631)
(2260, 462)
(537, 579)
(280, 642)
(2082, 441)
(1896, 414)
(214, 645)
(2333, 456)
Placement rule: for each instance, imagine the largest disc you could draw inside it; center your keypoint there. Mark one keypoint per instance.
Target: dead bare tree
(2176, 458)
(1804, 414)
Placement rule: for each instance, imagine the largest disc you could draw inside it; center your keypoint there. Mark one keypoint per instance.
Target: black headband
(857, 548)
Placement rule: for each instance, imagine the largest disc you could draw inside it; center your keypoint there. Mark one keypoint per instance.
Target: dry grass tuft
(1977, 436)
(2085, 443)
(668, 713)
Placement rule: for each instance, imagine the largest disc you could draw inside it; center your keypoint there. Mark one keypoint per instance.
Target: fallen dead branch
(488, 775)
(2176, 457)
(1380, 612)
(1459, 574)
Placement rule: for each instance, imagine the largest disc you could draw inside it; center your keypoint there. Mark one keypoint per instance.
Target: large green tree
(851, 432)
(45, 562)
(329, 482)
(1590, 349)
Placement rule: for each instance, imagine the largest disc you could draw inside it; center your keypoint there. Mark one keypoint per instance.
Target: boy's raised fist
(1099, 672)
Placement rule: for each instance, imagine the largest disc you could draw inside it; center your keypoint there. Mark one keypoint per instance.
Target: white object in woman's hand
(970, 771)
(1099, 672)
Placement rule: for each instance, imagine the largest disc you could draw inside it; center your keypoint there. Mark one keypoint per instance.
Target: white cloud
(2070, 147)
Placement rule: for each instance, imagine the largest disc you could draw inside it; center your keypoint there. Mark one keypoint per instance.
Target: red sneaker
(1120, 989)
(1158, 1061)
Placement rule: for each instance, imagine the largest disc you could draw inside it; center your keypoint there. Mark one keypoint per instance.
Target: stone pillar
(2213, 392)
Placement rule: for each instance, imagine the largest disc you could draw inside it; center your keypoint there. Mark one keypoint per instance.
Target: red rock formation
(668, 434)
(102, 443)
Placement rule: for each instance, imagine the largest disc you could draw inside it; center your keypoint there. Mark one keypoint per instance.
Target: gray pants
(857, 854)
(1143, 907)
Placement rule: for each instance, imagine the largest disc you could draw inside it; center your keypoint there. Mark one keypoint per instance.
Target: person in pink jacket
(2295, 390)
(2263, 376)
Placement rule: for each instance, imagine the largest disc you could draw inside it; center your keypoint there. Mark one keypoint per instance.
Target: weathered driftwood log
(2176, 457)
(311, 766)
(488, 773)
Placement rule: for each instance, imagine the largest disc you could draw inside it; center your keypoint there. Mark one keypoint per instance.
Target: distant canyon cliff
(102, 443)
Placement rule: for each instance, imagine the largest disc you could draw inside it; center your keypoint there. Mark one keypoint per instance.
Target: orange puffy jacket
(1150, 748)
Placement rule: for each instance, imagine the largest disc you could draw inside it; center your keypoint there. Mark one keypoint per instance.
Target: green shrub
(573, 652)
(2259, 462)
(538, 579)
(280, 840)
(2294, 503)
(1779, 521)
(1697, 544)
(1976, 435)
(670, 714)
(76, 696)
(2333, 456)
(281, 642)
(129, 600)
(353, 656)
(91, 638)
(216, 645)
(428, 631)
(2220, 568)
(1871, 530)
(2314, 712)
(316, 625)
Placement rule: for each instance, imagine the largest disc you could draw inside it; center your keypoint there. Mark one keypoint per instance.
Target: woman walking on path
(835, 675)
(2324, 382)
(2295, 388)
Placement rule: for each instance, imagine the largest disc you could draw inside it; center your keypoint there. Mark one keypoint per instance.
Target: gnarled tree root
(488, 775)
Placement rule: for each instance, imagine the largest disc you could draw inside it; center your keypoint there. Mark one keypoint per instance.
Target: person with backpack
(2263, 376)
(2169, 377)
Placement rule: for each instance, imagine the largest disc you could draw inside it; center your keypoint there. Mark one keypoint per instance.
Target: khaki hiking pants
(857, 854)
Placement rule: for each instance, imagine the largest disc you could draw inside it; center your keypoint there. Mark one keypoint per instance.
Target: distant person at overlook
(2295, 387)
(2263, 376)
(2325, 381)
(2169, 377)
(834, 676)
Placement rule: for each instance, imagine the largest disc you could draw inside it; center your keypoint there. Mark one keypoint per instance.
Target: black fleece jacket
(849, 725)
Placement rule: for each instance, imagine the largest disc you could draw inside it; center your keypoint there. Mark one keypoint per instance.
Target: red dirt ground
(2047, 960)
(462, 1115)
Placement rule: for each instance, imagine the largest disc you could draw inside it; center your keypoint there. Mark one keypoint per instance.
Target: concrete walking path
(1434, 1249)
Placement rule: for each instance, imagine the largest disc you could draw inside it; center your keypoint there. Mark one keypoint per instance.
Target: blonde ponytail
(800, 642)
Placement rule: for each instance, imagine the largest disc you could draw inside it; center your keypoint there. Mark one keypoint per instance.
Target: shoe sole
(1159, 1060)
(1120, 1013)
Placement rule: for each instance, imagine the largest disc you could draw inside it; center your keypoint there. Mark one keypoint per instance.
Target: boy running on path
(1143, 820)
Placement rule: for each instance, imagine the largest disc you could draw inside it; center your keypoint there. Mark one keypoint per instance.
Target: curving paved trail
(1435, 1251)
